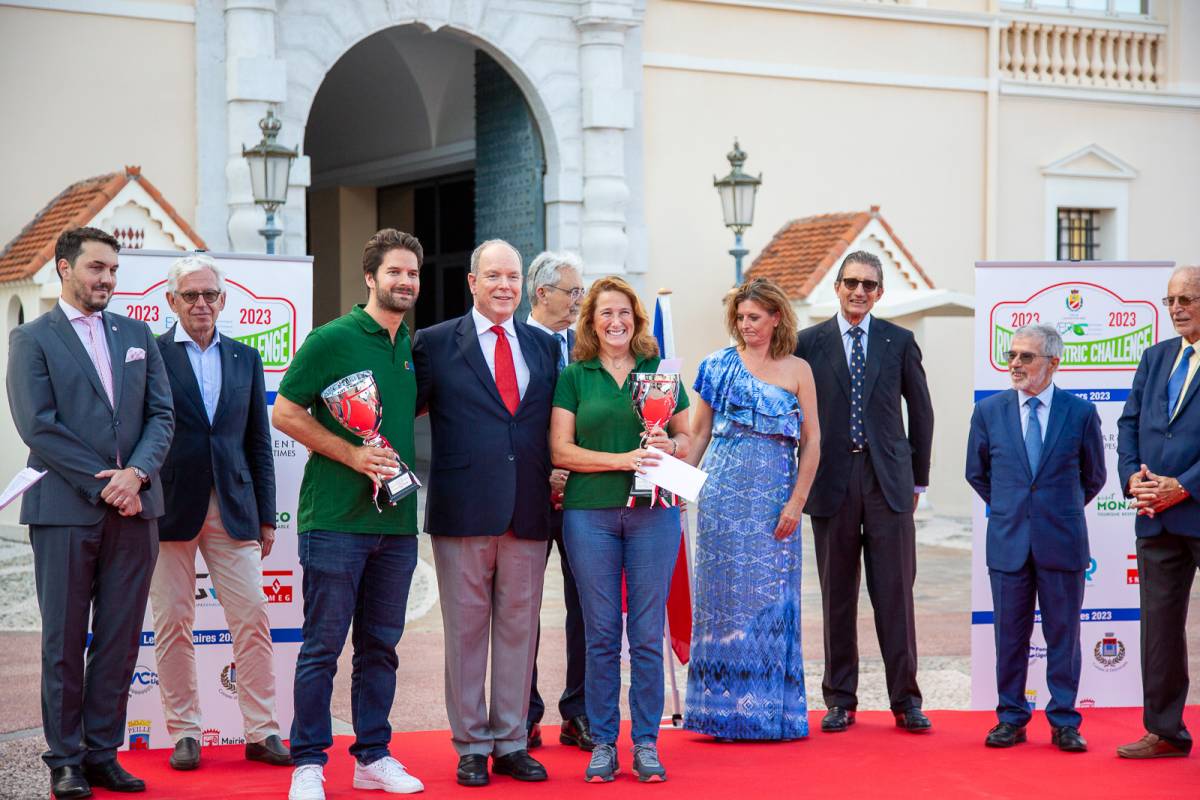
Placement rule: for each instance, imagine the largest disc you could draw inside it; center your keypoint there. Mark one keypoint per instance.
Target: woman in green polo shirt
(595, 433)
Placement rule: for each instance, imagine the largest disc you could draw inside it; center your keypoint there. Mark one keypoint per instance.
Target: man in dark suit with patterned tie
(487, 381)
(1158, 458)
(555, 287)
(866, 489)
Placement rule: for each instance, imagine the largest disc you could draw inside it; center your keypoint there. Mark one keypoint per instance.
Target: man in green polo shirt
(358, 562)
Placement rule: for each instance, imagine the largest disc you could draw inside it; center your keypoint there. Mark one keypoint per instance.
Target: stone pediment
(1092, 161)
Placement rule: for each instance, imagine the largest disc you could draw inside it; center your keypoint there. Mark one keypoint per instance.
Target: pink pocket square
(134, 354)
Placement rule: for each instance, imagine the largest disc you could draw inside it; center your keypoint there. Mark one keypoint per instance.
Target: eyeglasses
(1024, 358)
(1182, 299)
(575, 293)
(190, 297)
(853, 283)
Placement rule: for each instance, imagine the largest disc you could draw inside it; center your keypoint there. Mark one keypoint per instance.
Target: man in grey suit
(90, 398)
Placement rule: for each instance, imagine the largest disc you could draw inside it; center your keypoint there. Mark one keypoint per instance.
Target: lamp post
(270, 163)
(737, 190)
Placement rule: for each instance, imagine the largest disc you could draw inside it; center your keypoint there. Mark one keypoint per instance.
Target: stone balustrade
(1068, 53)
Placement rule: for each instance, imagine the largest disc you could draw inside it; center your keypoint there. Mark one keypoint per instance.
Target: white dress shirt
(562, 342)
(487, 343)
(1043, 412)
(847, 340)
(81, 329)
(206, 365)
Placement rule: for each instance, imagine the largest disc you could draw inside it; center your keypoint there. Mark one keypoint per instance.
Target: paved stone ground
(943, 612)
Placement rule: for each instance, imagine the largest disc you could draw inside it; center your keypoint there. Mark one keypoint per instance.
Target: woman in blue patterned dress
(756, 406)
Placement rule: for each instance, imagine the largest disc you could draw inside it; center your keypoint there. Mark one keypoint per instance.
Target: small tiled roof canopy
(801, 254)
(76, 205)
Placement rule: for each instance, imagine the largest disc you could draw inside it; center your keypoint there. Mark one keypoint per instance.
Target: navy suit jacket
(1169, 447)
(489, 470)
(1036, 512)
(893, 372)
(233, 453)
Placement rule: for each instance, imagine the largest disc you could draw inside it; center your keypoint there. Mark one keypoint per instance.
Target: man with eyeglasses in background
(1036, 480)
(1158, 458)
(867, 486)
(219, 490)
(555, 287)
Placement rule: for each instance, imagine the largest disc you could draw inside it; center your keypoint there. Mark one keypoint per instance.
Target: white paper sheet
(20, 482)
(676, 476)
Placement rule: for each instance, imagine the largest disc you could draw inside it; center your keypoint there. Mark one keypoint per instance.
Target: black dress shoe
(472, 770)
(519, 765)
(577, 732)
(270, 750)
(186, 755)
(837, 719)
(1005, 735)
(112, 776)
(69, 781)
(1068, 740)
(533, 736)
(913, 720)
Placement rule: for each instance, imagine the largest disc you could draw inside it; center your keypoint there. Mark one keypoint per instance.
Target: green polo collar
(368, 323)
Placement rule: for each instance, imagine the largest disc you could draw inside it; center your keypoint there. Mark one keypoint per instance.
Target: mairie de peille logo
(139, 734)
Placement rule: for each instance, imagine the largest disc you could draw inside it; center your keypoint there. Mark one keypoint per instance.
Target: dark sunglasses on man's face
(1024, 358)
(190, 297)
(853, 283)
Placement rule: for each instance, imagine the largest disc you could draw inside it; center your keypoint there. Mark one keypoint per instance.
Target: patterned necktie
(858, 368)
(562, 359)
(506, 372)
(1033, 435)
(95, 330)
(1175, 383)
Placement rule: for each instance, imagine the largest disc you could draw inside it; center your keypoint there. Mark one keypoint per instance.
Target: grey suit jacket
(63, 414)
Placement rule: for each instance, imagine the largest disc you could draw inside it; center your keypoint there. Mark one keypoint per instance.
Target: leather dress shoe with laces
(112, 776)
(1067, 739)
(270, 750)
(837, 719)
(472, 770)
(69, 781)
(533, 736)
(519, 765)
(186, 754)
(1151, 746)
(1005, 735)
(577, 732)
(913, 720)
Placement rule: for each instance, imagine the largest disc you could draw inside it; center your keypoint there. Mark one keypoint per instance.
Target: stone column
(607, 106)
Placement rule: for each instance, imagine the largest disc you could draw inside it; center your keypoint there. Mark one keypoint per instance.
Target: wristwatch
(141, 474)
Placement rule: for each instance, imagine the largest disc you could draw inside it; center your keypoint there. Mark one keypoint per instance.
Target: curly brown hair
(587, 344)
(774, 301)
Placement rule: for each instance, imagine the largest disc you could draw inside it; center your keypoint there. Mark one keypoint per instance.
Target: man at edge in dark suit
(867, 487)
(1158, 457)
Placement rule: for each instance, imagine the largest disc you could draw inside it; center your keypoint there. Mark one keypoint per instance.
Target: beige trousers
(236, 570)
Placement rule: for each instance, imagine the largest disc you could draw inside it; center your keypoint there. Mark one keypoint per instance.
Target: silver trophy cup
(654, 397)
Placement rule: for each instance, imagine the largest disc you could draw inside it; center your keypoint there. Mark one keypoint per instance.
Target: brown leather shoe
(1151, 746)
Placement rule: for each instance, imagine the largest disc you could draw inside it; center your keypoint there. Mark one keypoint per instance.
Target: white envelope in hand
(134, 354)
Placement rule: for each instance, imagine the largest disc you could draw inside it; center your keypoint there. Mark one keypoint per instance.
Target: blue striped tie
(562, 360)
(1178, 377)
(1033, 435)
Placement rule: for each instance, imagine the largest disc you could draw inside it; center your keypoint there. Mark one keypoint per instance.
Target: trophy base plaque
(400, 486)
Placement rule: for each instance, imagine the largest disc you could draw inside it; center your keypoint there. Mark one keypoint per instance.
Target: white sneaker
(387, 774)
(306, 783)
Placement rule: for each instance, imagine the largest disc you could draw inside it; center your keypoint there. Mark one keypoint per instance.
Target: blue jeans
(364, 579)
(643, 543)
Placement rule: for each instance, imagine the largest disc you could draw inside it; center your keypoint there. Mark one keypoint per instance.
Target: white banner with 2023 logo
(1108, 313)
(269, 307)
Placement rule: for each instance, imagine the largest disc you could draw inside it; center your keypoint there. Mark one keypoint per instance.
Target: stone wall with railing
(1074, 53)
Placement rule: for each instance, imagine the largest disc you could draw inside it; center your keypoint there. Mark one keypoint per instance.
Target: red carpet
(872, 760)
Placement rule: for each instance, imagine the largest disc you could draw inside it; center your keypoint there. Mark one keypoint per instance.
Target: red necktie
(506, 373)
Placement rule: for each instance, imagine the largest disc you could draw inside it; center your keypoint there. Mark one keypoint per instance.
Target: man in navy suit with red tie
(487, 381)
(1036, 457)
(1158, 455)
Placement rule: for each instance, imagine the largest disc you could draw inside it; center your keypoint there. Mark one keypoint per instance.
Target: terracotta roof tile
(803, 251)
(76, 205)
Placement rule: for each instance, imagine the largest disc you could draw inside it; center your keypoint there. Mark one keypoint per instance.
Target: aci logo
(1131, 569)
(1031, 699)
(228, 686)
(277, 591)
(144, 679)
(210, 737)
(139, 734)
(1109, 654)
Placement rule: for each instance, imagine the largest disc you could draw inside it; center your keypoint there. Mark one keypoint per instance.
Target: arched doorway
(428, 133)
